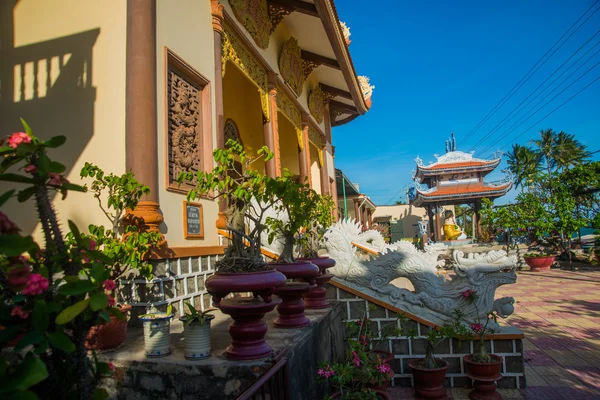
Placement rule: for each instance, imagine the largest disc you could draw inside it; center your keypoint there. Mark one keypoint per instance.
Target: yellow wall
(186, 29)
(241, 102)
(314, 168)
(288, 145)
(85, 100)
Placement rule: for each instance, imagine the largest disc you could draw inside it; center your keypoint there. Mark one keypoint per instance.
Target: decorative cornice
(276, 14)
(290, 65)
(308, 67)
(235, 50)
(254, 16)
(287, 107)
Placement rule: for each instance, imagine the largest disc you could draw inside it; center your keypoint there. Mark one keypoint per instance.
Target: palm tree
(523, 162)
(569, 151)
(546, 148)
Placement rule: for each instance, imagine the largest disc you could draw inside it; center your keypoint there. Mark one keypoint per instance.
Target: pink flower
(37, 284)
(17, 138)
(19, 275)
(468, 293)
(477, 328)
(111, 301)
(356, 359)
(111, 366)
(326, 372)
(19, 312)
(55, 179)
(384, 368)
(92, 245)
(30, 169)
(109, 284)
(7, 227)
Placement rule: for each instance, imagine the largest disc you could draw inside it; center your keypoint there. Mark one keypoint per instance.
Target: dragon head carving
(494, 267)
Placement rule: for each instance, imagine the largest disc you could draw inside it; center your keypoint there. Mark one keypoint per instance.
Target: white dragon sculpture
(436, 294)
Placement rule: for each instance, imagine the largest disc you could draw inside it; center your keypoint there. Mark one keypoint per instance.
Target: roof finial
(451, 144)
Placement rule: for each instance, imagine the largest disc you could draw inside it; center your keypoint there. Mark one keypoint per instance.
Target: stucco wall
(82, 99)
(407, 215)
(187, 31)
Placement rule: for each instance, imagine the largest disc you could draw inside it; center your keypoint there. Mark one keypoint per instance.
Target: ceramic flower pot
(196, 339)
(110, 335)
(429, 383)
(485, 376)
(317, 298)
(538, 264)
(157, 335)
(248, 329)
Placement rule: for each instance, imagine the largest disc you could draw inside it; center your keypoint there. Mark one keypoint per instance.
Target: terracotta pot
(317, 298)
(540, 263)
(291, 309)
(380, 395)
(429, 383)
(262, 283)
(484, 376)
(110, 335)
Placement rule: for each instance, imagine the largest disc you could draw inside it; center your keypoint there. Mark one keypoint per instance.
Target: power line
(517, 124)
(542, 107)
(507, 119)
(522, 81)
(547, 115)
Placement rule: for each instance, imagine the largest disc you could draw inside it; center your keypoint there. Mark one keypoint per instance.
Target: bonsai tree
(125, 244)
(300, 205)
(50, 296)
(235, 183)
(320, 217)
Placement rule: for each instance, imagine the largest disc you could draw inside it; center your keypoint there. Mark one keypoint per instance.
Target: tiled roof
(461, 164)
(466, 189)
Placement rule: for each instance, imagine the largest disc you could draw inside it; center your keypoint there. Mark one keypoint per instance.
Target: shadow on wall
(49, 84)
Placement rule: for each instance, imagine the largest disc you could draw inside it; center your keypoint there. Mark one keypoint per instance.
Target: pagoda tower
(455, 178)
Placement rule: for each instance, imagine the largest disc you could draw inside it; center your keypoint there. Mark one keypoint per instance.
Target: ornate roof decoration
(236, 52)
(291, 66)
(254, 16)
(345, 31)
(276, 13)
(291, 112)
(316, 103)
(315, 137)
(365, 86)
(454, 156)
(451, 144)
(308, 66)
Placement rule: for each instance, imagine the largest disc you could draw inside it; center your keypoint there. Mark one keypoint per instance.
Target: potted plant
(482, 367)
(242, 267)
(429, 372)
(320, 219)
(53, 294)
(124, 243)
(365, 373)
(196, 332)
(157, 333)
(294, 203)
(539, 261)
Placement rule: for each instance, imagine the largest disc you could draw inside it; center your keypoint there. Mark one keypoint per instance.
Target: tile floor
(559, 313)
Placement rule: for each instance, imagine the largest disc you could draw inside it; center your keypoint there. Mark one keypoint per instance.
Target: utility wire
(515, 125)
(547, 115)
(500, 124)
(524, 79)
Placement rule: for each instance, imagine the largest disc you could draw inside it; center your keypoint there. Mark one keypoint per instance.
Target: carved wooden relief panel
(186, 121)
(290, 65)
(254, 16)
(316, 104)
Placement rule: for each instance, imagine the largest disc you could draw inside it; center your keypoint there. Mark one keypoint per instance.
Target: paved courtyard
(559, 313)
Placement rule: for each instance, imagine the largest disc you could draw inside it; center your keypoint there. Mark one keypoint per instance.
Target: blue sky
(440, 66)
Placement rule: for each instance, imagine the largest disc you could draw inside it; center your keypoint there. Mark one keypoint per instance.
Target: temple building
(455, 178)
(351, 203)
(153, 87)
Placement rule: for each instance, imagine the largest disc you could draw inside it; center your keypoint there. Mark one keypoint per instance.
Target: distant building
(402, 220)
(351, 203)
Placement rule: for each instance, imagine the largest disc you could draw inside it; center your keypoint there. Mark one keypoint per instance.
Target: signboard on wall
(193, 221)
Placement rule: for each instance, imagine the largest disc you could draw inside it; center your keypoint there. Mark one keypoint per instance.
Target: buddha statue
(451, 230)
